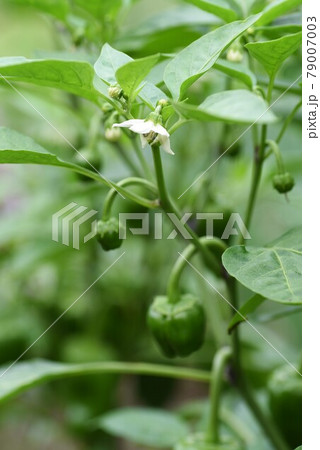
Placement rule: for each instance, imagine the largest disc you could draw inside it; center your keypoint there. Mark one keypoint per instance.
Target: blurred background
(40, 278)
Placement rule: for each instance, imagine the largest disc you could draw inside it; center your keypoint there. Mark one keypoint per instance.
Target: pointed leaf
(249, 307)
(145, 426)
(273, 271)
(111, 60)
(237, 106)
(130, 75)
(16, 148)
(72, 76)
(219, 8)
(196, 59)
(271, 54)
(236, 70)
(275, 9)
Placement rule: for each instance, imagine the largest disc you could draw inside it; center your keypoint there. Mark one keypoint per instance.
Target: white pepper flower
(149, 131)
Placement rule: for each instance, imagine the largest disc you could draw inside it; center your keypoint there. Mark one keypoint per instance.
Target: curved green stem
(218, 366)
(288, 120)
(177, 125)
(176, 272)
(126, 182)
(151, 204)
(112, 367)
(276, 151)
(168, 206)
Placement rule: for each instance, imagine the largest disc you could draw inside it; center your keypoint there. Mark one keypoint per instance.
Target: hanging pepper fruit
(285, 401)
(283, 182)
(199, 441)
(107, 233)
(177, 327)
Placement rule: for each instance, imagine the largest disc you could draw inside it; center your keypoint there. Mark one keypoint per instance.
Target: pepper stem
(126, 182)
(174, 279)
(219, 362)
(274, 148)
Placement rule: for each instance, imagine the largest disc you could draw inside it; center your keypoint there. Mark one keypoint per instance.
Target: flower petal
(143, 140)
(157, 128)
(141, 126)
(165, 143)
(126, 124)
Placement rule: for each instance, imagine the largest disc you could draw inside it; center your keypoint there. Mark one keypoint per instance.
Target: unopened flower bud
(115, 92)
(112, 134)
(234, 55)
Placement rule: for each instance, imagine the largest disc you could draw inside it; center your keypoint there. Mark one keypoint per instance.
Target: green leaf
(109, 61)
(108, 65)
(196, 59)
(145, 426)
(130, 75)
(278, 31)
(56, 8)
(271, 54)
(237, 70)
(249, 307)
(237, 106)
(16, 148)
(151, 94)
(24, 375)
(273, 271)
(219, 8)
(72, 76)
(98, 8)
(275, 9)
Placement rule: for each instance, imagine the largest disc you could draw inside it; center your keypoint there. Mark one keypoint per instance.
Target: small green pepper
(178, 327)
(285, 401)
(283, 182)
(198, 441)
(107, 233)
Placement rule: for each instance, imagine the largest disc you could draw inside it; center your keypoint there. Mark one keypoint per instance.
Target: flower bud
(163, 102)
(115, 92)
(112, 134)
(234, 55)
(106, 108)
(283, 182)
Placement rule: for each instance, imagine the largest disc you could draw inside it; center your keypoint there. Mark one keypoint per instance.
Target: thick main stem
(256, 176)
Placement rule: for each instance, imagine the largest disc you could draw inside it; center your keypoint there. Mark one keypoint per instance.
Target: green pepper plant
(188, 109)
